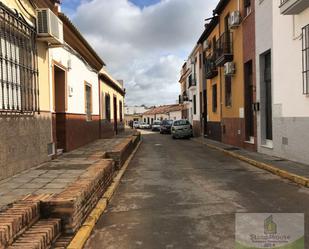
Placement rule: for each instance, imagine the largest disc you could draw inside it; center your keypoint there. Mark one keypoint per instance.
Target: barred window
(19, 90)
(88, 102)
(306, 59)
(107, 107)
(120, 110)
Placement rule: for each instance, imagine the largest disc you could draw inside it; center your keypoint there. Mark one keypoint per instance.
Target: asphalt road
(180, 194)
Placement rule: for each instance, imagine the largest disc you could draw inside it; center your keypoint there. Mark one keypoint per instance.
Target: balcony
(211, 69)
(192, 82)
(183, 98)
(224, 49)
(293, 7)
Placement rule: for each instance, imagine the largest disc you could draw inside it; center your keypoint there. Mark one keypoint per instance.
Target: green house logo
(270, 227)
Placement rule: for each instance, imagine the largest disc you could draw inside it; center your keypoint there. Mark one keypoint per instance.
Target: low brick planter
(75, 202)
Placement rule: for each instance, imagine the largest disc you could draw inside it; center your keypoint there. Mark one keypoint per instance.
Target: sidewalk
(293, 171)
(55, 176)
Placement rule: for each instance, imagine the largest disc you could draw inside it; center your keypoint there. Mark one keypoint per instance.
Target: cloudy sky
(143, 42)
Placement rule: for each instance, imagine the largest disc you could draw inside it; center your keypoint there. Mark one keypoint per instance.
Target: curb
(85, 230)
(303, 181)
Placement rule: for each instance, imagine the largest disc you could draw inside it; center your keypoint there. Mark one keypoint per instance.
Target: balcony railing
(192, 81)
(224, 48)
(183, 98)
(211, 69)
(293, 7)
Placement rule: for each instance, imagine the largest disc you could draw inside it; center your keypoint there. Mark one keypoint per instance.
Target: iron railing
(19, 88)
(211, 69)
(192, 81)
(305, 58)
(224, 44)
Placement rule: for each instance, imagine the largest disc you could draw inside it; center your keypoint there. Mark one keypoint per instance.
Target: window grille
(305, 38)
(107, 107)
(19, 90)
(88, 103)
(120, 111)
(214, 98)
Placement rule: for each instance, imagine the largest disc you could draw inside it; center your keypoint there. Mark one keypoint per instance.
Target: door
(268, 97)
(205, 112)
(249, 114)
(59, 128)
(115, 116)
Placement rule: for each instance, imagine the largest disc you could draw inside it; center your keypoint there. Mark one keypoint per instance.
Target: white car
(156, 125)
(136, 124)
(144, 126)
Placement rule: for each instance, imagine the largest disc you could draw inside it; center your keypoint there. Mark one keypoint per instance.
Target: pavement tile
(55, 185)
(32, 186)
(49, 191)
(10, 185)
(63, 180)
(22, 179)
(22, 191)
(7, 199)
(41, 180)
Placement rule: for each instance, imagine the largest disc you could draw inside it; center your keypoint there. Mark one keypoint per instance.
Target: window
(194, 104)
(200, 60)
(247, 7)
(214, 98)
(19, 91)
(88, 102)
(228, 91)
(107, 107)
(120, 110)
(306, 59)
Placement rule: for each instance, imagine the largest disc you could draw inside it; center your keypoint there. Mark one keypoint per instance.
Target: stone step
(16, 219)
(41, 235)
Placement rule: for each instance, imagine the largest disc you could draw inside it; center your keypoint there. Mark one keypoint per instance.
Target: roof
(76, 32)
(220, 6)
(164, 109)
(108, 79)
(209, 28)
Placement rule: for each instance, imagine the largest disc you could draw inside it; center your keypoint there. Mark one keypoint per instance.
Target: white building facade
(282, 78)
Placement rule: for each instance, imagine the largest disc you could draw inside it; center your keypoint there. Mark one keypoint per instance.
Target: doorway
(115, 116)
(249, 114)
(59, 128)
(205, 113)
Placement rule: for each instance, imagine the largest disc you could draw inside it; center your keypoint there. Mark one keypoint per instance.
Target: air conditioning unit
(229, 68)
(49, 27)
(234, 19)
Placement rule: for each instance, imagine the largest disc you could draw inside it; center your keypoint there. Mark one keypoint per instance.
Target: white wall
(288, 97)
(176, 115)
(76, 77)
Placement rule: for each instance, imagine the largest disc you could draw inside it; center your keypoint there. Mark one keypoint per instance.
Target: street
(180, 194)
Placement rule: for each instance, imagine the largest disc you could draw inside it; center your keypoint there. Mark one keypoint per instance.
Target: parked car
(144, 125)
(156, 125)
(136, 124)
(166, 126)
(182, 129)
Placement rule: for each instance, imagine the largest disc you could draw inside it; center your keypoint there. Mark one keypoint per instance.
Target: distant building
(165, 112)
(134, 113)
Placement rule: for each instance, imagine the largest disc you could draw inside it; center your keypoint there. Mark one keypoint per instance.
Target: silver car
(182, 129)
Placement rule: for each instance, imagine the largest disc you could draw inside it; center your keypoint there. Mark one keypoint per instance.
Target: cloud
(144, 46)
